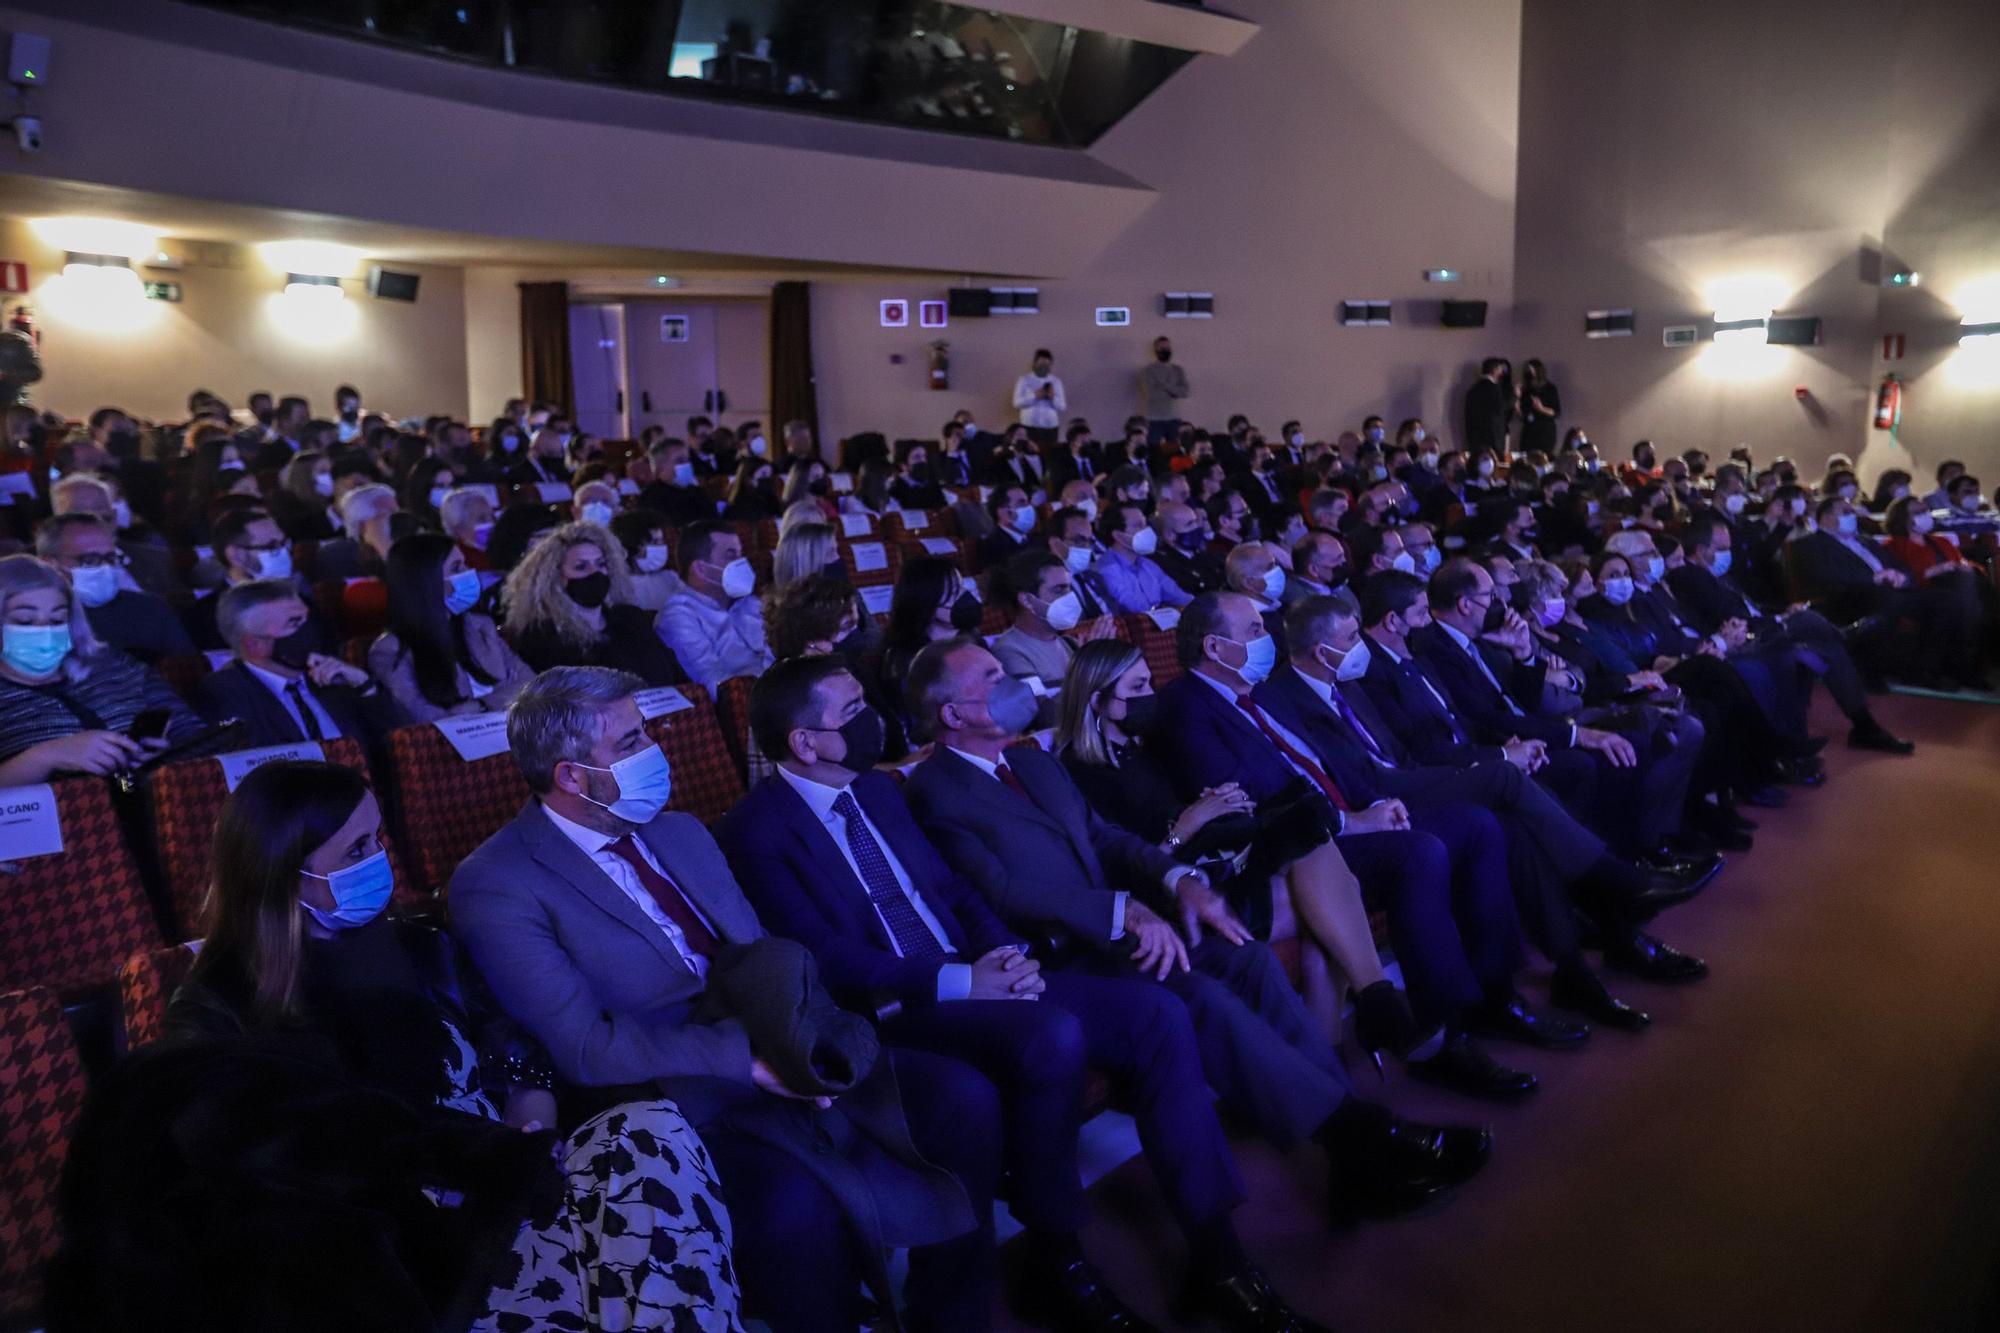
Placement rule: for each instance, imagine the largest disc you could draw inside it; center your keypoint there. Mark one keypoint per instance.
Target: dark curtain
(793, 397)
(545, 375)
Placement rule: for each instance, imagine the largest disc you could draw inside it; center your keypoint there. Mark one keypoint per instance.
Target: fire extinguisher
(940, 364)
(1889, 404)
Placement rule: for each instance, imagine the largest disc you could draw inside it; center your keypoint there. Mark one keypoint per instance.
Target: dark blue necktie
(913, 939)
(1353, 721)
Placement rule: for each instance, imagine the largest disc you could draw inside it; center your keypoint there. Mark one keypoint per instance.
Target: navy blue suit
(1443, 881)
(1034, 1053)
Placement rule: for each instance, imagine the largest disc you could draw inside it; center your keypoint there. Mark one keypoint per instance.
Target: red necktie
(668, 895)
(1012, 779)
(1304, 763)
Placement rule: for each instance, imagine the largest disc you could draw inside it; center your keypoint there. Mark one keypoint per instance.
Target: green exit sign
(163, 291)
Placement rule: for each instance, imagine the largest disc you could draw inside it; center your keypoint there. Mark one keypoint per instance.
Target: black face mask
(266, 417)
(817, 487)
(1163, 353)
(1249, 528)
(1496, 615)
(920, 473)
(295, 650)
(1190, 541)
(589, 591)
(864, 738)
(1140, 711)
(123, 444)
(1338, 578)
(966, 613)
(836, 570)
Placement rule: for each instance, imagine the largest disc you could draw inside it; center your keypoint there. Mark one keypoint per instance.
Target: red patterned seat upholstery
(706, 783)
(447, 806)
(892, 553)
(182, 673)
(1158, 646)
(993, 619)
(145, 985)
(186, 799)
(41, 1091)
(74, 917)
(732, 700)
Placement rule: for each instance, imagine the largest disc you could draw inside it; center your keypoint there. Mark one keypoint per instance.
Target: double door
(641, 363)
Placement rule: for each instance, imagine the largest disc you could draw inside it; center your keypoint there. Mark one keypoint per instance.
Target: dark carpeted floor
(1805, 1140)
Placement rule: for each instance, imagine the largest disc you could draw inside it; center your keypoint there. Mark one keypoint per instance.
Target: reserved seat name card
(475, 735)
(239, 764)
(660, 702)
(30, 825)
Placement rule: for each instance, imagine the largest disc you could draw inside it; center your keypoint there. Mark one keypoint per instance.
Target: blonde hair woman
(1279, 869)
(569, 603)
(808, 549)
(67, 703)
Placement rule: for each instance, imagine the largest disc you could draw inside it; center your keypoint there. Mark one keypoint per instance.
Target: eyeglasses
(266, 548)
(99, 560)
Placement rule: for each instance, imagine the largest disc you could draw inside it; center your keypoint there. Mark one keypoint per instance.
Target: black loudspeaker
(1465, 314)
(1793, 330)
(1364, 312)
(388, 285)
(970, 302)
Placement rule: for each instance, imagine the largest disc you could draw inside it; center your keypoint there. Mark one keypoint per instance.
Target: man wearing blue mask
(607, 926)
(1012, 821)
(1252, 570)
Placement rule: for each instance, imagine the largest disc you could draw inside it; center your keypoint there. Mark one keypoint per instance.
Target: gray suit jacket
(577, 962)
(1045, 861)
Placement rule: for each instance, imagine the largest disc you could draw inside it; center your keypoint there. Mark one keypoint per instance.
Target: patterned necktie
(700, 939)
(1303, 762)
(1348, 716)
(308, 719)
(1012, 779)
(913, 939)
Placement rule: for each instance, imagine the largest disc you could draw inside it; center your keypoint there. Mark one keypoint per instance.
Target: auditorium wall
(1667, 151)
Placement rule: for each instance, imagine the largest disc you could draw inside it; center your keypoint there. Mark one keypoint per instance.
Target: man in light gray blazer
(596, 916)
(1014, 823)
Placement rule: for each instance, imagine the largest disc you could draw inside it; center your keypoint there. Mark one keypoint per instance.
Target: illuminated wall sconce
(1968, 332)
(104, 272)
(313, 287)
(1739, 329)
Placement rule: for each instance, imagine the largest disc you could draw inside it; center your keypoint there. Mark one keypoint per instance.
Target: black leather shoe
(1800, 772)
(1072, 1298)
(1407, 1165)
(1860, 629)
(1764, 797)
(1583, 993)
(1464, 1068)
(1243, 1302)
(1877, 738)
(1383, 1022)
(1652, 959)
(1510, 1019)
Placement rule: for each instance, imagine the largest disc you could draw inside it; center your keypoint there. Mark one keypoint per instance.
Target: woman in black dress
(1540, 406)
(1281, 873)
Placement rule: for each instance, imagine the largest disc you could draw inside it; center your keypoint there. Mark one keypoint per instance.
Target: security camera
(28, 133)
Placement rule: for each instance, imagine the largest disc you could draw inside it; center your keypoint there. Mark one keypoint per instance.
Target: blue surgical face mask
(598, 512)
(1719, 565)
(1656, 569)
(461, 591)
(34, 650)
(360, 892)
(1617, 591)
(1260, 655)
(1849, 525)
(683, 474)
(1012, 705)
(645, 782)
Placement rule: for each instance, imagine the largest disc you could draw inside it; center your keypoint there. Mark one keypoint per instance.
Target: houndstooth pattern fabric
(1158, 646)
(706, 783)
(448, 805)
(73, 918)
(732, 700)
(145, 984)
(41, 1091)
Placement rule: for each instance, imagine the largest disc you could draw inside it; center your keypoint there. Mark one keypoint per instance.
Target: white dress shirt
(954, 981)
(1325, 690)
(596, 846)
(1479, 660)
(1860, 549)
(992, 770)
(281, 688)
(1036, 412)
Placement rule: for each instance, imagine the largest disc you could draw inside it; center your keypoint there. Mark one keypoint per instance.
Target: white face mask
(1734, 503)
(598, 512)
(1485, 467)
(1077, 559)
(1353, 664)
(121, 514)
(759, 446)
(1656, 569)
(1617, 591)
(1274, 583)
(1088, 508)
(1145, 541)
(1918, 523)
(1063, 613)
(652, 558)
(273, 564)
(323, 483)
(739, 578)
(1419, 434)
(95, 584)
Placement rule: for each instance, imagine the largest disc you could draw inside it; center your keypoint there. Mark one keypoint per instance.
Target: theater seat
(706, 781)
(41, 1092)
(182, 673)
(732, 699)
(186, 799)
(447, 806)
(145, 984)
(72, 918)
(1158, 646)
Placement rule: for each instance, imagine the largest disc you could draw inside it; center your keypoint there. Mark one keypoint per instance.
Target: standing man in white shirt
(716, 624)
(1040, 400)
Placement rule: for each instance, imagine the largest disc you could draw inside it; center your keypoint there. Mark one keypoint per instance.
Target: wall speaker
(969, 302)
(1363, 313)
(1607, 323)
(1465, 314)
(1793, 330)
(1187, 305)
(388, 285)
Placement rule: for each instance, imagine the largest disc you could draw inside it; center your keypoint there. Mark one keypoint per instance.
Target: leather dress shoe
(1764, 797)
(1860, 629)
(1650, 958)
(1244, 1302)
(1464, 1068)
(1405, 1166)
(1508, 1018)
(1670, 885)
(1800, 772)
(1583, 993)
(1072, 1298)
(1877, 738)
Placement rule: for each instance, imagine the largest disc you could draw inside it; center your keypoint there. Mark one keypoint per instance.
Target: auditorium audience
(279, 690)
(123, 616)
(715, 623)
(440, 655)
(568, 603)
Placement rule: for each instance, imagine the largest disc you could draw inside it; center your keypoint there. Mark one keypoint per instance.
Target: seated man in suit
(1318, 696)
(1705, 592)
(1444, 885)
(597, 919)
(1252, 570)
(1012, 821)
(1067, 538)
(1013, 521)
(1498, 691)
(249, 545)
(279, 688)
(829, 854)
(1183, 553)
(1853, 579)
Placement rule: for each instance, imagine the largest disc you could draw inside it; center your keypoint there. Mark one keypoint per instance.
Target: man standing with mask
(716, 625)
(1040, 399)
(1489, 406)
(1163, 385)
(347, 404)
